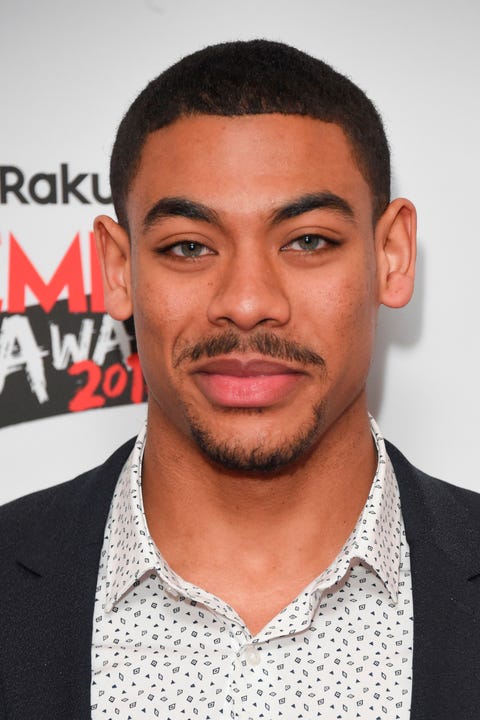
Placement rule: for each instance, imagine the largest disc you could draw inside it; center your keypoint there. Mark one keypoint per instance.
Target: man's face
(254, 284)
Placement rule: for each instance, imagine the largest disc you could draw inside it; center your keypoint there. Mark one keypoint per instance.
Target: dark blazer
(49, 552)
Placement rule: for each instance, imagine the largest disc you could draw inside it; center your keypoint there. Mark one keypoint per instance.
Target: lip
(246, 383)
(241, 367)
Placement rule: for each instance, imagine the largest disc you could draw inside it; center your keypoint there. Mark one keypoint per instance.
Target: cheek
(165, 307)
(344, 315)
(357, 326)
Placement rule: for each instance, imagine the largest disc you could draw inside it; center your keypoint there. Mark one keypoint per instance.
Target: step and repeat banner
(71, 387)
(60, 356)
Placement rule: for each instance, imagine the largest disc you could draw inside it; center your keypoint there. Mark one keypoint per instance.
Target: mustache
(267, 344)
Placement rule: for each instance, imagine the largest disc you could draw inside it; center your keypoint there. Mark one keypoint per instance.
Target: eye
(187, 249)
(308, 242)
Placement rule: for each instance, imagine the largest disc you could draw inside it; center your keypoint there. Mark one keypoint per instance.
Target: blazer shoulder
(444, 489)
(429, 503)
(45, 508)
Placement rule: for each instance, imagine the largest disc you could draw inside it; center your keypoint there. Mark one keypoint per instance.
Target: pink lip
(234, 382)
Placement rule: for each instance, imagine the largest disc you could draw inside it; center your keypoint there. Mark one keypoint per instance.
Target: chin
(262, 458)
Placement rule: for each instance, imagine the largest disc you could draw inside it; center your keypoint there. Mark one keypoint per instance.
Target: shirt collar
(375, 540)
(131, 551)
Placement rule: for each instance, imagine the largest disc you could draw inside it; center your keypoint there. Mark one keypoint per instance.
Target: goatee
(261, 459)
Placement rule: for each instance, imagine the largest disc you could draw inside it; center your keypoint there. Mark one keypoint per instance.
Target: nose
(249, 293)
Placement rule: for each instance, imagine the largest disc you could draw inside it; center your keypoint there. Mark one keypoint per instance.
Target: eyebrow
(183, 207)
(179, 207)
(312, 201)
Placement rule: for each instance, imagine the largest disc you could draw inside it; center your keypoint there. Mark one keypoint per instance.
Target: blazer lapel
(441, 524)
(53, 595)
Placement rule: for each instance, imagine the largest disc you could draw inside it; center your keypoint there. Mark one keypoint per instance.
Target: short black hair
(250, 78)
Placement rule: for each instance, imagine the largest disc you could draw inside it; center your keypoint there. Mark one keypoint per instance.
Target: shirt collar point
(393, 592)
(109, 604)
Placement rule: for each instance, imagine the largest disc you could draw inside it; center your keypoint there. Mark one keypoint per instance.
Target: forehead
(244, 164)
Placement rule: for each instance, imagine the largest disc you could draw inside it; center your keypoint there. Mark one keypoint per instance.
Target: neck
(302, 514)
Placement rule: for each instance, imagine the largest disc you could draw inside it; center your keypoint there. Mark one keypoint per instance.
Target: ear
(113, 248)
(395, 237)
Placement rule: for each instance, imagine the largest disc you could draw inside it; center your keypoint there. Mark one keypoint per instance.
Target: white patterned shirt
(162, 647)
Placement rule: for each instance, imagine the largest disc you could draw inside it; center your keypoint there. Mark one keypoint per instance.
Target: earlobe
(113, 248)
(395, 235)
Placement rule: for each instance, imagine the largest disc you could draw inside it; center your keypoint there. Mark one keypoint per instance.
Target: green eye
(308, 242)
(188, 249)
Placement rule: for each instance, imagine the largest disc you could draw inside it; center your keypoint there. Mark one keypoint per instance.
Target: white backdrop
(69, 71)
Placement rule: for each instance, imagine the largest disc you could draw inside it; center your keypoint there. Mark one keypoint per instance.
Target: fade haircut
(251, 78)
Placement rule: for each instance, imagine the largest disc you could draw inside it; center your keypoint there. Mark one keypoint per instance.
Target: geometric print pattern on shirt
(162, 647)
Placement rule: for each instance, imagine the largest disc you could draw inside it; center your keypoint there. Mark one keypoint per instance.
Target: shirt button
(252, 656)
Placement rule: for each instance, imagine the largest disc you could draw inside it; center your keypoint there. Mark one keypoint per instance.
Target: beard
(230, 454)
(262, 459)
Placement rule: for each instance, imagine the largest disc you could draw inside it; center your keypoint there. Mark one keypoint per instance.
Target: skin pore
(254, 273)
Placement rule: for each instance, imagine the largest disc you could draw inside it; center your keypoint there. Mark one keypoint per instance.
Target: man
(258, 551)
